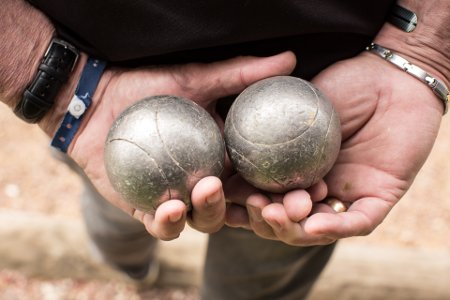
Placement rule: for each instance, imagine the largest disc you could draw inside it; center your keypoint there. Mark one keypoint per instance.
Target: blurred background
(44, 253)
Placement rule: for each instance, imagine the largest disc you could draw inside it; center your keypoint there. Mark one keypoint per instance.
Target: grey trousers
(239, 265)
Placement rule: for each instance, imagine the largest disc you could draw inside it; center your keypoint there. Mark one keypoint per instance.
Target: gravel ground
(31, 180)
(16, 286)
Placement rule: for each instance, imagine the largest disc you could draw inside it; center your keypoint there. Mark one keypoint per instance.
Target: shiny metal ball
(159, 148)
(281, 133)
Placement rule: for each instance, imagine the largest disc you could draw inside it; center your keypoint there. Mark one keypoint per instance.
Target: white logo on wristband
(76, 107)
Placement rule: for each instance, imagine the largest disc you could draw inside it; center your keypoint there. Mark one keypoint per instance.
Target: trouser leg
(121, 240)
(240, 265)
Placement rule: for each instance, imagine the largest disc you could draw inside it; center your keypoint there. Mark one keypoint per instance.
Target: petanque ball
(159, 148)
(282, 133)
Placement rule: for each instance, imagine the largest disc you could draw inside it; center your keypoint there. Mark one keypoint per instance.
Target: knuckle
(168, 233)
(168, 237)
(207, 226)
(184, 78)
(210, 229)
(263, 230)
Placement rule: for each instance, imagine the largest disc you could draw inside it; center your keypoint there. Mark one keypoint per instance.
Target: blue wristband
(80, 102)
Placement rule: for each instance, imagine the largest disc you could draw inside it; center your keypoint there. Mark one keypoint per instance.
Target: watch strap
(54, 70)
(403, 18)
(80, 102)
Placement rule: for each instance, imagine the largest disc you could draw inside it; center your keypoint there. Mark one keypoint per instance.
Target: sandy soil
(32, 180)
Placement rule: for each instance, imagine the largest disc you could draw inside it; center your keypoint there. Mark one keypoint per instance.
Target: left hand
(204, 84)
(389, 123)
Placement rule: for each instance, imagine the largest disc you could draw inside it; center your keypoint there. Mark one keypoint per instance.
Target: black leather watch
(58, 62)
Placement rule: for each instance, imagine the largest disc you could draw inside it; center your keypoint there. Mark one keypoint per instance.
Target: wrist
(428, 45)
(437, 86)
(26, 33)
(79, 105)
(55, 69)
(50, 122)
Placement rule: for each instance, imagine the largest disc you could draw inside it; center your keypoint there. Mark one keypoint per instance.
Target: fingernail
(174, 218)
(255, 213)
(214, 199)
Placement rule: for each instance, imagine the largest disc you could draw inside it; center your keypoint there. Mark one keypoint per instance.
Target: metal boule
(159, 148)
(282, 133)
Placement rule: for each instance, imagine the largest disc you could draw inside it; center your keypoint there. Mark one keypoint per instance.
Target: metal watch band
(436, 85)
(58, 62)
(403, 18)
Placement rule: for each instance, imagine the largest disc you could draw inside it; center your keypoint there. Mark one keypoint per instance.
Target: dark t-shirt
(135, 32)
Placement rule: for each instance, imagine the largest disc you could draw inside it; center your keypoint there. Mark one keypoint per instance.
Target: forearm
(25, 34)
(428, 46)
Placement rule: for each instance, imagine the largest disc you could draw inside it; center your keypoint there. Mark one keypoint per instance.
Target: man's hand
(389, 123)
(202, 83)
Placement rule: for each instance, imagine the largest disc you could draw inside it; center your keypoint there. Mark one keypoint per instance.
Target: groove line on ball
(316, 113)
(161, 171)
(326, 135)
(322, 149)
(256, 167)
(168, 151)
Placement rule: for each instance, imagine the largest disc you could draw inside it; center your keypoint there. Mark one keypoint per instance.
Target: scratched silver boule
(159, 148)
(282, 133)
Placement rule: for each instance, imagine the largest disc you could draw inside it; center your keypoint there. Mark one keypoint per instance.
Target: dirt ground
(32, 180)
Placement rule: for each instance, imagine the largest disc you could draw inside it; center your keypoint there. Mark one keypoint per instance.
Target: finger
(255, 205)
(168, 221)
(224, 78)
(208, 205)
(219, 121)
(283, 228)
(318, 191)
(361, 218)
(228, 170)
(273, 197)
(237, 216)
(297, 204)
(237, 190)
(291, 233)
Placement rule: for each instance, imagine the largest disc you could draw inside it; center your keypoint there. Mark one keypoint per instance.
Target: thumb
(228, 77)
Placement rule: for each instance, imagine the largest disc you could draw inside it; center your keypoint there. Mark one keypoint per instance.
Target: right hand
(389, 124)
